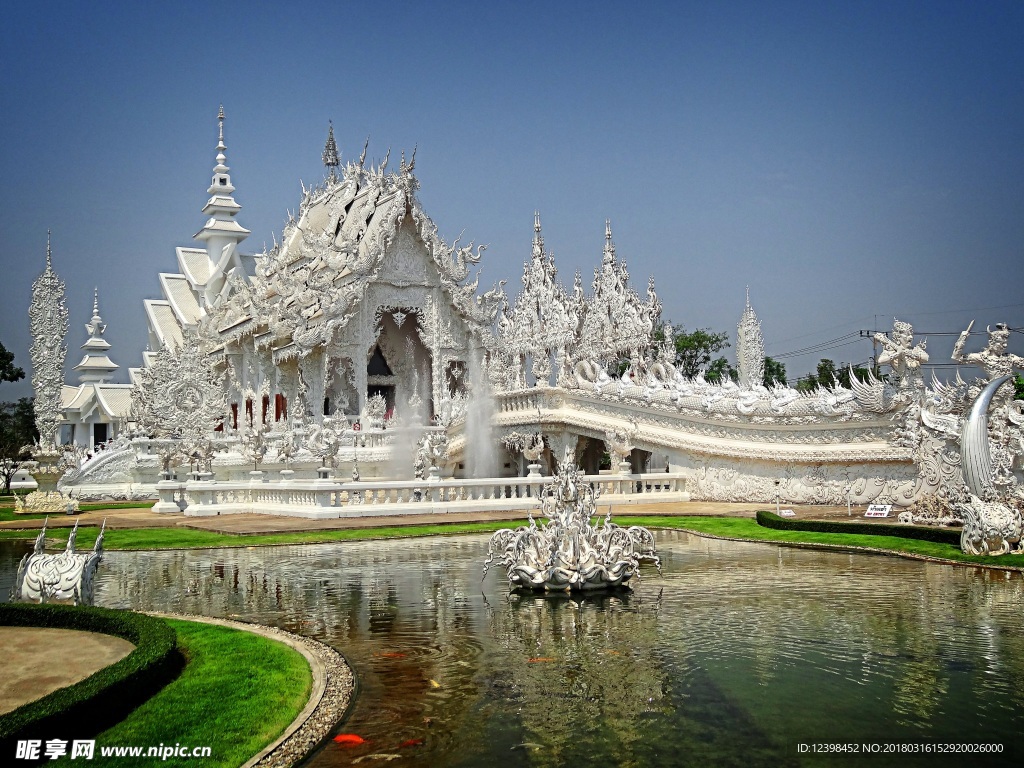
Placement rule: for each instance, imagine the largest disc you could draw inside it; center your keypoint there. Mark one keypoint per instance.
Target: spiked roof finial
(330, 156)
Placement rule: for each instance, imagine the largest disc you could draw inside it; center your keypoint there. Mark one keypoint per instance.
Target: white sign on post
(787, 513)
(878, 510)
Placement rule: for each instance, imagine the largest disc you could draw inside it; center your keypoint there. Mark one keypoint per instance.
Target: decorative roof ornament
(96, 366)
(221, 146)
(615, 321)
(330, 156)
(750, 349)
(541, 322)
(609, 246)
(538, 238)
(48, 322)
(96, 326)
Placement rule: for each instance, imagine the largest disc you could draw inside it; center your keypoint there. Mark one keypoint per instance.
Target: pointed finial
(95, 301)
(330, 156)
(220, 167)
(412, 161)
(609, 247)
(748, 297)
(48, 252)
(362, 157)
(538, 239)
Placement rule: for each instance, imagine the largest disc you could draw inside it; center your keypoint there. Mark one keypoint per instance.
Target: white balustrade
(330, 499)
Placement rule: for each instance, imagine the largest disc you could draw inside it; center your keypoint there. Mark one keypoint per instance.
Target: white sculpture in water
(65, 576)
(567, 552)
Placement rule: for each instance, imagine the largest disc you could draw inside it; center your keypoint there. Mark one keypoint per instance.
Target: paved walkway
(254, 524)
(38, 661)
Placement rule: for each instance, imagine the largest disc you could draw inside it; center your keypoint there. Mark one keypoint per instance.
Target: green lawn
(186, 538)
(7, 509)
(731, 527)
(237, 693)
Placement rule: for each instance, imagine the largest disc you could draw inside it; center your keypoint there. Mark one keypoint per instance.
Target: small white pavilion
(95, 411)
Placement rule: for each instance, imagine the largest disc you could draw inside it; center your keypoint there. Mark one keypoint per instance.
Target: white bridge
(325, 498)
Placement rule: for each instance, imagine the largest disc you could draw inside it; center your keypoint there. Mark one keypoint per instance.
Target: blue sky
(844, 160)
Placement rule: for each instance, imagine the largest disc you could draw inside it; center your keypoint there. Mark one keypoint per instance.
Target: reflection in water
(589, 663)
(734, 655)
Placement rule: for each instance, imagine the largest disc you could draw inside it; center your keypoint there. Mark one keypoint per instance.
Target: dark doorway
(99, 433)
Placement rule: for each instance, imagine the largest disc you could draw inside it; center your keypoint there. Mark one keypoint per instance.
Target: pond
(734, 655)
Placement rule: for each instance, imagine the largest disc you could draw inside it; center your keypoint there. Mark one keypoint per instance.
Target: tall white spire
(749, 348)
(48, 322)
(221, 233)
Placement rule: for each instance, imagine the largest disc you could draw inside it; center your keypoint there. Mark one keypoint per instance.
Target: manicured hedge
(939, 535)
(82, 710)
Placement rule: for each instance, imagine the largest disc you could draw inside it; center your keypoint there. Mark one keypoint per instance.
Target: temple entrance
(399, 367)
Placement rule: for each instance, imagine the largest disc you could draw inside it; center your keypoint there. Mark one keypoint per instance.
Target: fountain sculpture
(567, 552)
(64, 576)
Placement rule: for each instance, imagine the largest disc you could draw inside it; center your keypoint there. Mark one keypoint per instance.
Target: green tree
(860, 373)
(696, 350)
(774, 372)
(17, 435)
(828, 373)
(1018, 387)
(8, 370)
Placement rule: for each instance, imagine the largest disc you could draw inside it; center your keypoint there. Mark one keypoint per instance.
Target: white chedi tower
(48, 321)
(750, 349)
(221, 233)
(96, 366)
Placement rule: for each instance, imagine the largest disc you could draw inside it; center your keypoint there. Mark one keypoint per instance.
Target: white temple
(356, 346)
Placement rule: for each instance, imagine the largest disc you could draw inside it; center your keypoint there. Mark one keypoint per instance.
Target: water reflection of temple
(590, 662)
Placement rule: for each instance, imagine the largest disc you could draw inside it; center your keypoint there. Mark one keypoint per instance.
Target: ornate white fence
(321, 499)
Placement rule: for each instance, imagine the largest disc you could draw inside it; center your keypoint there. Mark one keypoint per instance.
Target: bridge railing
(328, 498)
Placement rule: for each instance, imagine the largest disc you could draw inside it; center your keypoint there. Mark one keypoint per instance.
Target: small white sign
(878, 510)
(787, 513)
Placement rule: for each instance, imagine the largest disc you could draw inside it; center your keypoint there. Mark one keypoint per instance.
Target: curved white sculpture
(991, 527)
(65, 576)
(568, 553)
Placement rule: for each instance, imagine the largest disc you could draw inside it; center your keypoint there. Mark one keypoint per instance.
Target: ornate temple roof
(311, 284)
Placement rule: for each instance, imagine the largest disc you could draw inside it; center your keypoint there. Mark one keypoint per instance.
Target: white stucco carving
(48, 322)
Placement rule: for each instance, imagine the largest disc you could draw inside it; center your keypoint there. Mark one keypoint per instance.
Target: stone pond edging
(331, 693)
